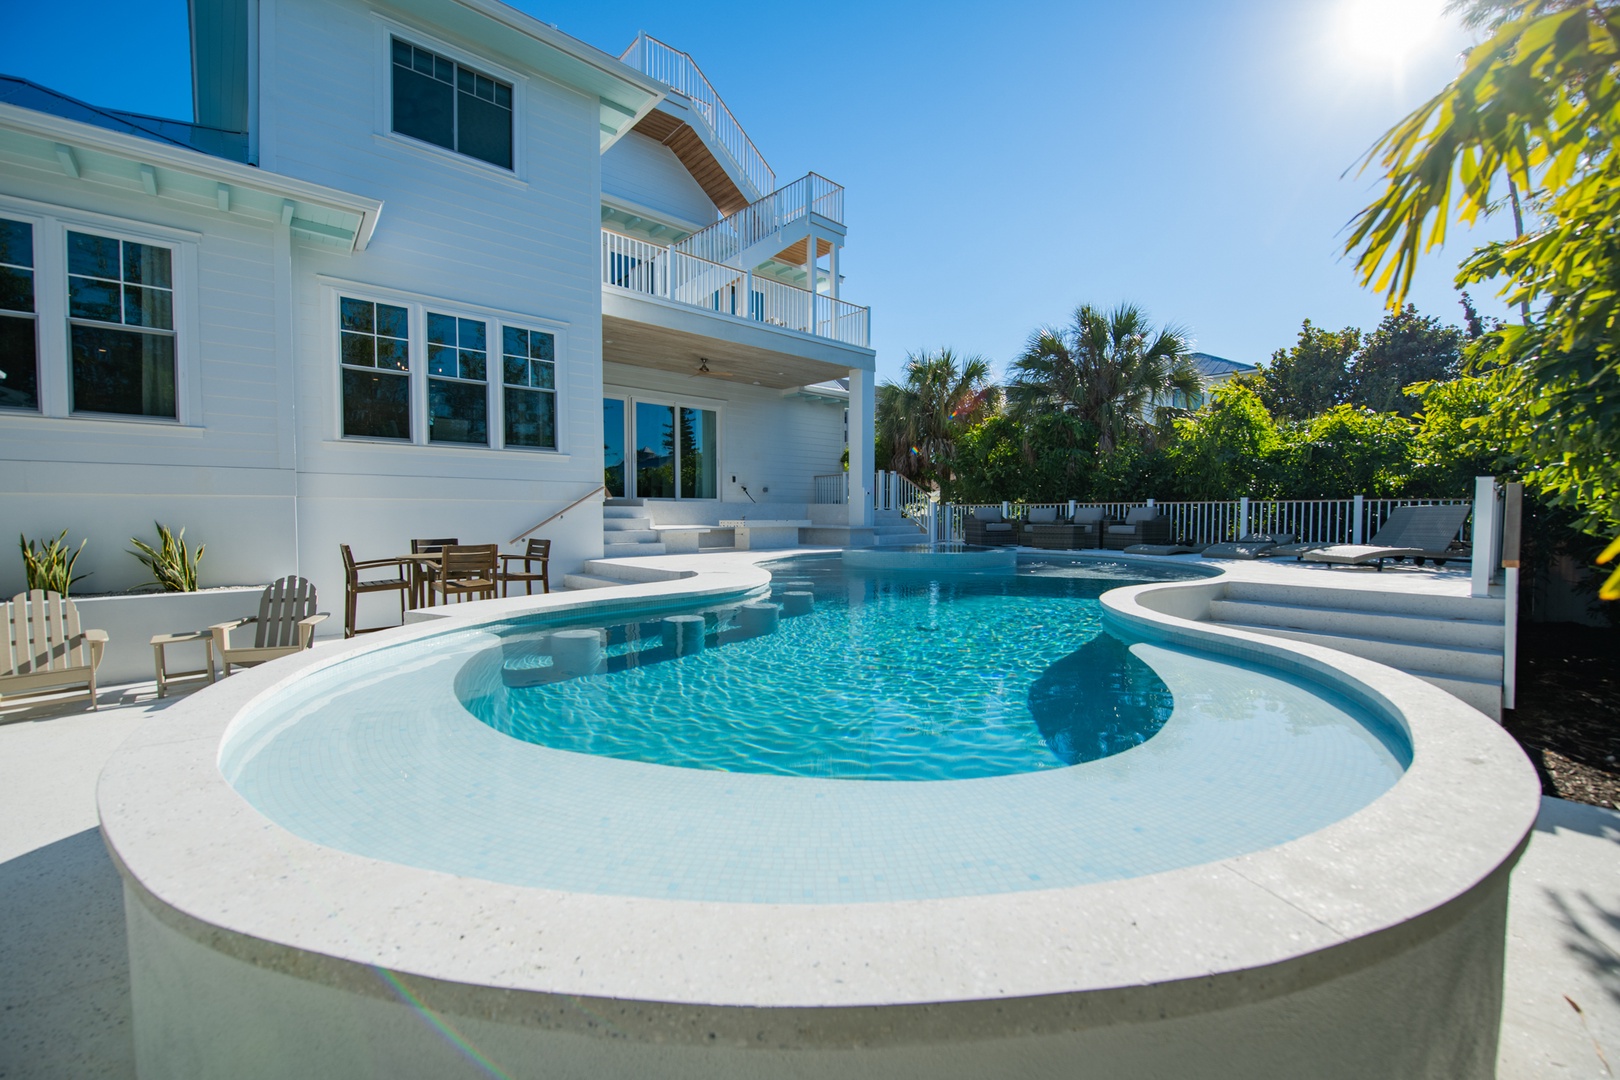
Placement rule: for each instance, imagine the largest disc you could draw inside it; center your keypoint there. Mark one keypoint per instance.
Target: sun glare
(1386, 32)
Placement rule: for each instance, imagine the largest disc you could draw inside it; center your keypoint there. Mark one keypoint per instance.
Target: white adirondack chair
(45, 650)
(284, 625)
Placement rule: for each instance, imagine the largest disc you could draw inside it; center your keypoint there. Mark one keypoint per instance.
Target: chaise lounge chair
(1248, 546)
(1411, 532)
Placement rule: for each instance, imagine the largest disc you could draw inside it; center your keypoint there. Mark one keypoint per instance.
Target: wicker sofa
(1052, 534)
(1142, 525)
(986, 527)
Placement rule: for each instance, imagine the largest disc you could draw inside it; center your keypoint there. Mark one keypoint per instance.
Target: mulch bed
(1568, 715)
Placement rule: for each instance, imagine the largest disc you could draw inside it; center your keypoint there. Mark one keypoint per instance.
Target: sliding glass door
(659, 450)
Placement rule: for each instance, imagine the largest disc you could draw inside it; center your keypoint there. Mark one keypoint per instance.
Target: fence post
(1243, 516)
(1071, 509)
(1358, 527)
(1006, 509)
(1512, 520)
(1487, 534)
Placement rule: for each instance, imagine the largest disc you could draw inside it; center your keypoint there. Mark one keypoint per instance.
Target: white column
(862, 406)
(832, 273)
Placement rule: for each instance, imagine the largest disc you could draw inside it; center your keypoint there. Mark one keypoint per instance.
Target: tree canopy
(1535, 109)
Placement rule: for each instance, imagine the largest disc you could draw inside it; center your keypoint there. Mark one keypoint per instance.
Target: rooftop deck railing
(637, 266)
(679, 71)
(729, 237)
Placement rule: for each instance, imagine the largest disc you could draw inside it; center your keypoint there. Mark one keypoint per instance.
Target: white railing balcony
(639, 267)
(677, 70)
(729, 237)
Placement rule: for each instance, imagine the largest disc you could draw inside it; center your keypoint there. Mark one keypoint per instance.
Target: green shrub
(50, 565)
(173, 568)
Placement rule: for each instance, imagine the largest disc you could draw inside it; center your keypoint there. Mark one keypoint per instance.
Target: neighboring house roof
(230, 145)
(1218, 367)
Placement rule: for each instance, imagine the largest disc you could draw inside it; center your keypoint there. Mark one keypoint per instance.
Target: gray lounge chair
(1074, 535)
(985, 527)
(1142, 525)
(1248, 546)
(1411, 532)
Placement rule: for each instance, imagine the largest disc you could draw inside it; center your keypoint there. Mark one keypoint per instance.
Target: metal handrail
(558, 514)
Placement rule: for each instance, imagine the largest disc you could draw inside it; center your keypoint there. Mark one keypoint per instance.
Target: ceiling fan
(703, 369)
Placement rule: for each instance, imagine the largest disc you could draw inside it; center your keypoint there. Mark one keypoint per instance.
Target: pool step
(1451, 642)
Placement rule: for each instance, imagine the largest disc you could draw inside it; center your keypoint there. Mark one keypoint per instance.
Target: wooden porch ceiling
(696, 156)
(641, 345)
(795, 255)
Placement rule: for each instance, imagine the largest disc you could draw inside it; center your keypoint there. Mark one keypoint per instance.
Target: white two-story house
(418, 268)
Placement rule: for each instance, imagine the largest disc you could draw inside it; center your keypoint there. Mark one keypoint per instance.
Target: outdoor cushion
(987, 513)
(998, 526)
(1141, 513)
(1043, 515)
(1089, 515)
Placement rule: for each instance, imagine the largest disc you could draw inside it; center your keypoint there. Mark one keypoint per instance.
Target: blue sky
(1185, 155)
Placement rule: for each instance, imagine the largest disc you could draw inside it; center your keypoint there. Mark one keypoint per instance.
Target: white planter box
(131, 621)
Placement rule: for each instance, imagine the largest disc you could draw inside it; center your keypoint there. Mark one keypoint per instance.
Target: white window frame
(383, 119)
(52, 337)
(417, 307)
(631, 398)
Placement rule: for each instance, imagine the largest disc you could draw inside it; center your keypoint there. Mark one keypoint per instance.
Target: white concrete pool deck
(64, 995)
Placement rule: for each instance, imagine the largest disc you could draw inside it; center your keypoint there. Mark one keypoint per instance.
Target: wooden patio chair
(45, 650)
(353, 586)
(538, 551)
(465, 570)
(422, 573)
(284, 625)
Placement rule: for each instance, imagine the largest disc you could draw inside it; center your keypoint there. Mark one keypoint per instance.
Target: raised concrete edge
(1339, 897)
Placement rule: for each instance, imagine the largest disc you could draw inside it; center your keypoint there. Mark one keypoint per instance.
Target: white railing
(831, 488)
(1329, 521)
(679, 71)
(728, 238)
(635, 265)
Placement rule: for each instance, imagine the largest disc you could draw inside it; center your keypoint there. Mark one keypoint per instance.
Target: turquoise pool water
(917, 735)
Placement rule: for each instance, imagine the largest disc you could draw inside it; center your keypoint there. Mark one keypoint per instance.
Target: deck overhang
(646, 331)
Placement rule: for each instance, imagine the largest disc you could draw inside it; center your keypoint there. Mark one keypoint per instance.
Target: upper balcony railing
(668, 65)
(729, 237)
(628, 263)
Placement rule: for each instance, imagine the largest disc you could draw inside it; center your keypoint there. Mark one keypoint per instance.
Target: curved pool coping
(201, 859)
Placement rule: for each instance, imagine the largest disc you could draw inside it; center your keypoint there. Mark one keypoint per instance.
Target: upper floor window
(441, 102)
(120, 326)
(19, 349)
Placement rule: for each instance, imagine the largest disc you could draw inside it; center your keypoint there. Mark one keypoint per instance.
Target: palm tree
(918, 420)
(1112, 370)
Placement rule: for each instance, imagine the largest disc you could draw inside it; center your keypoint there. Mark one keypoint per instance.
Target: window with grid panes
(19, 341)
(376, 353)
(458, 391)
(441, 102)
(120, 326)
(529, 385)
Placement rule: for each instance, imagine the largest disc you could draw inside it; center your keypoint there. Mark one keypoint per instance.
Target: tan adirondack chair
(46, 651)
(284, 625)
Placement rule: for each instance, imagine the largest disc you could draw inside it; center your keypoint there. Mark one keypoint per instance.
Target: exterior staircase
(770, 226)
(1452, 642)
(627, 531)
(891, 528)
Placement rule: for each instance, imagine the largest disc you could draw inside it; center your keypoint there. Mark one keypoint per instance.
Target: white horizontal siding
(647, 173)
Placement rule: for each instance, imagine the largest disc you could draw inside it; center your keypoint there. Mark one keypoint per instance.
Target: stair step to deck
(624, 513)
(588, 581)
(1361, 623)
(627, 524)
(1417, 658)
(620, 551)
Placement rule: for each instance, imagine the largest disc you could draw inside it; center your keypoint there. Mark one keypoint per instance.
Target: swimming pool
(914, 736)
(1371, 946)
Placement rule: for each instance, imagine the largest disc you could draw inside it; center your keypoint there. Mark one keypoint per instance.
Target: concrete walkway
(64, 981)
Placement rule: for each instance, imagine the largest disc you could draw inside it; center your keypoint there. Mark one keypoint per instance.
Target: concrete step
(624, 502)
(620, 551)
(618, 524)
(1479, 608)
(1419, 659)
(630, 536)
(1362, 623)
(619, 513)
(1483, 694)
(586, 581)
